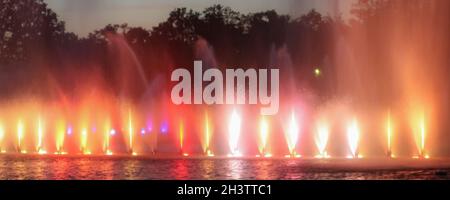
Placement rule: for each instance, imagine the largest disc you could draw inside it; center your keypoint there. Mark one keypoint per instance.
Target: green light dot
(317, 72)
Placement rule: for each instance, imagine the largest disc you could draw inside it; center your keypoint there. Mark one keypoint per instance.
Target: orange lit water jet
(207, 148)
(389, 135)
(84, 136)
(2, 137)
(420, 134)
(130, 132)
(422, 138)
(353, 138)
(106, 138)
(20, 134)
(60, 135)
(181, 136)
(40, 133)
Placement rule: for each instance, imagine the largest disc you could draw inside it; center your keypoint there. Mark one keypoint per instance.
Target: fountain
(389, 136)
(207, 139)
(264, 136)
(292, 136)
(321, 140)
(68, 125)
(20, 134)
(83, 142)
(60, 136)
(181, 137)
(130, 133)
(40, 136)
(353, 139)
(2, 137)
(234, 130)
(421, 136)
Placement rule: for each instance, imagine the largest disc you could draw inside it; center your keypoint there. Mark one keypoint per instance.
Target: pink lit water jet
(292, 134)
(321, 140)
(234, 130)
(263, 137)
(207, 139)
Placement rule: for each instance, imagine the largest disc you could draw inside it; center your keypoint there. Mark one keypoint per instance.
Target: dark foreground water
(51, 167)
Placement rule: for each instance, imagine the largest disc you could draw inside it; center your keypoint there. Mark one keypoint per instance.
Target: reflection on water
(37, 167)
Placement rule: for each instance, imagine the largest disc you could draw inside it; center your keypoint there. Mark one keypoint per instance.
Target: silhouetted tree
(264, 31)
(28, 28)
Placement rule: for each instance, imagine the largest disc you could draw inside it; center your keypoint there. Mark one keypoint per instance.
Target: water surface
(69, 167)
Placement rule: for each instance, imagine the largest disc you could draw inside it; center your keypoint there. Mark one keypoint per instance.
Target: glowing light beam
(207, 148)
(60, 134)
(84, 136)
(130, 131)
(292, 134)
(264, 135)
(40, 133)
(234, 130)
(181, 135)
(389, 135)
(321, 140)
(2, 136)
(353, 138)
(20, 132)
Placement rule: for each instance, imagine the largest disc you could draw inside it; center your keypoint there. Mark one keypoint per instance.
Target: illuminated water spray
(321, 140)
(422, 137)
(264, 136)
(181, 138)
(40, 132)
(353, 138)
(234, 130)
(2, 137)
(60, 135)
(292, 135)
(389, 136)
(84, 136)
(207, 148)
(20, 134)
(106, 139)
(130, 133)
